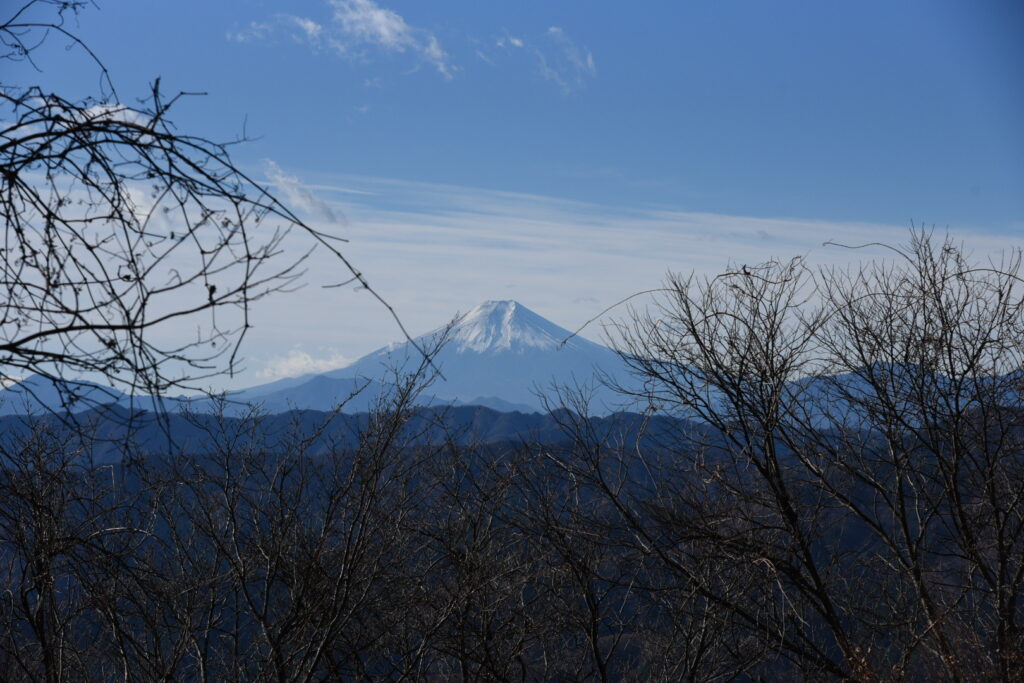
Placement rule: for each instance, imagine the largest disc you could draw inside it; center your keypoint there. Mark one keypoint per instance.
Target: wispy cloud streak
(559, 59)
(571, 65)
(297, 362)
(353, 27)
(434, 249)
(297, 195)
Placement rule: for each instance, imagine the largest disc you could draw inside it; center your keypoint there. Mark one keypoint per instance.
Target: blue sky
(567, 154)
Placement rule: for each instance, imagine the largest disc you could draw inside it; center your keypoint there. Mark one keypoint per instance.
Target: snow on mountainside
(500, 355)
(500, 349)
(496, 326)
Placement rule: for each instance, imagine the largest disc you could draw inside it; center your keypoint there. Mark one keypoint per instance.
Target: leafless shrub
(132, 251)
(854, 476)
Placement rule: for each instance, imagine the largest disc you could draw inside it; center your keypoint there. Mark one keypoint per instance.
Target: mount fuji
(500, 355)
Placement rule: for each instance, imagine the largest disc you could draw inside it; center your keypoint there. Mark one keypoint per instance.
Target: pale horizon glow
(437, 250)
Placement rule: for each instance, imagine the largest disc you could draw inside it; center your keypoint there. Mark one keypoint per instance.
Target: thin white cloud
(311, 30)
(337, 188)
(435, 54)
(436, 249)
(366, 22)
(559, 59)
(297, 195)
(551, 74)
(431, 250)
(297, 362)
(355, 28)
(354, 25)
(580, 58)
(112, 112)
(256, 30)
(568, 65)
(509, 41)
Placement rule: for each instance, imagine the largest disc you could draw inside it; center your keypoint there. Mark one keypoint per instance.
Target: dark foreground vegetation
(827, 482)
(832, 487)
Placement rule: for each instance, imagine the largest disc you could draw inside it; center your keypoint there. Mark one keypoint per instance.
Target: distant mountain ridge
(500, 350)
(106, 433)
(499, 355)
(37, 394)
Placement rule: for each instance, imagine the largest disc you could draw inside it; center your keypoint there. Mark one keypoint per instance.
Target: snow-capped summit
(496, 326)
(500, 349)
(500, 354)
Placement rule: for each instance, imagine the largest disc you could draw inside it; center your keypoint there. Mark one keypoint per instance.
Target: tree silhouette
(132, 251)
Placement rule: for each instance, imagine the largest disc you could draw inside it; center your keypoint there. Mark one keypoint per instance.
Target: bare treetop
(132, 251)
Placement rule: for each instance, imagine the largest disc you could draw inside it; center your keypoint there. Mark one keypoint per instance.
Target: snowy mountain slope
(504, 350)
(500, 355)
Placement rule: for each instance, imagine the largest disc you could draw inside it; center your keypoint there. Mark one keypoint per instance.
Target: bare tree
(258, 554)
(847, 490)
(132, 251)
(628, 480)
(68, 527)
